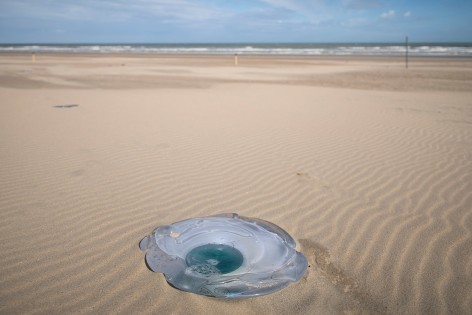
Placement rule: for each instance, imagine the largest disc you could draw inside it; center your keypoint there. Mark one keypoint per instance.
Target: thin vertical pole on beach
(406, 52)
(235, 59)
(33, 57)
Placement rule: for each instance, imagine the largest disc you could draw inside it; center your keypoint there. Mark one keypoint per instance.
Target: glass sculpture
(227, 255)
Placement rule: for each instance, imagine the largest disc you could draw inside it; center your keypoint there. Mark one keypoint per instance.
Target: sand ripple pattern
(380, 193)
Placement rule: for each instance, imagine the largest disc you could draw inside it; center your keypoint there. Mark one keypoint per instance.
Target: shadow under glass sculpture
(227, 256)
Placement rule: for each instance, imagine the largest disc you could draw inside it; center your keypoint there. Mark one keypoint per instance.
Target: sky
(209, 21)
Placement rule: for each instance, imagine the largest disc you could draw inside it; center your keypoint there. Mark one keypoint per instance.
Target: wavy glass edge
(270, 261)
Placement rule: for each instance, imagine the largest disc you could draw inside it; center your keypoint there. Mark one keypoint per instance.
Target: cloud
(407, 14)
(362, 4)
(354, 22)
(299, 10)
(388, 15)
(284, 4)
(110, 10)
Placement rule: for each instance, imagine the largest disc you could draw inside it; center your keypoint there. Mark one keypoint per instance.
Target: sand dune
(367, 165)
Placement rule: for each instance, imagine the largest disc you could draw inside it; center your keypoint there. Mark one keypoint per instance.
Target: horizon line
(236, 43)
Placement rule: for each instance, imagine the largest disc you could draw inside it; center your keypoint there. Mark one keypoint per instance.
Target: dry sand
(366, 164)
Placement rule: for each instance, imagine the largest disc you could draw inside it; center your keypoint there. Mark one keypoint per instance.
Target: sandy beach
(368, 166)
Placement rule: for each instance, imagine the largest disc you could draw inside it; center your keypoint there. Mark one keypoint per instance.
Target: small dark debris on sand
(66, 106)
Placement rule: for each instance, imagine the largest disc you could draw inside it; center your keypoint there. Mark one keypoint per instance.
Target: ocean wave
(221, 49)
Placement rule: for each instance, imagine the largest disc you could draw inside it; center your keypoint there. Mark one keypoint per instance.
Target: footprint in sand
(319, 262)
(313, 180)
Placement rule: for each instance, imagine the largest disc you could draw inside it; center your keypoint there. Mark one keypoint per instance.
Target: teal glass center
(222, 257)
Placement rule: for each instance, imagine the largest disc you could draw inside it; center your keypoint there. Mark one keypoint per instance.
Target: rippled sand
(366, 164)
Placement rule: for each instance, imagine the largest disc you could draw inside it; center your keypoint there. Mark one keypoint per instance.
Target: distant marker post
(33, 56)
(235, 59)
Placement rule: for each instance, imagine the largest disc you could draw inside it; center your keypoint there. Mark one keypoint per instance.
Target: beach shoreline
(130, 71)
(398, 56)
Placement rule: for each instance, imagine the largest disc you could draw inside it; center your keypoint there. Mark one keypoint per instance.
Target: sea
(299, 49)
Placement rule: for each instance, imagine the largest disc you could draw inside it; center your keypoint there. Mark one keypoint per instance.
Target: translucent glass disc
(224, 256)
